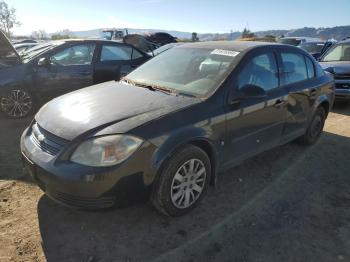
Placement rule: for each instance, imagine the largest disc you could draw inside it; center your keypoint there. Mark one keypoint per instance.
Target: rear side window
(294, 68)
(115, 53)
(260, 71)
(310, 67)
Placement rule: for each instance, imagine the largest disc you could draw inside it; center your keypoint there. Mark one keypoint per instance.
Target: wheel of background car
(315, 128)
(16, 104)
(183, 181)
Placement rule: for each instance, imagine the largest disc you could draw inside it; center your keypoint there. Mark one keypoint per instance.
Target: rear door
(115, 61)
(298, 75)
(69, 68)
(255, 124)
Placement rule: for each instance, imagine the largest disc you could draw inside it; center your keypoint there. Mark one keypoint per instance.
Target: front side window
(338, 53)
(294, 68)
(75, 55)
(115, 53)
(260, 71)
(191, 71)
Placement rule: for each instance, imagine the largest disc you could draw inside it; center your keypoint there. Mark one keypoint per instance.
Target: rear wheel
(183, 182)
(17, 103)
(315, 128)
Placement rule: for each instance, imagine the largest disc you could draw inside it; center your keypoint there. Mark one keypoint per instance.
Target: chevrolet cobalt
(169, 127)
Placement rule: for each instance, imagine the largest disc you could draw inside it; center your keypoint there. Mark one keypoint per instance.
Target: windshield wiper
(152, 87)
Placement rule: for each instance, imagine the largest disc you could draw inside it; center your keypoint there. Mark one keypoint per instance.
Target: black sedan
(174, 123)
(55, 68)
(337, 62)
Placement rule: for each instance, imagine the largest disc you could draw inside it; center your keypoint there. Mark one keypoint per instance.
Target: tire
(16, 104)
(315, 128)
(178, 189)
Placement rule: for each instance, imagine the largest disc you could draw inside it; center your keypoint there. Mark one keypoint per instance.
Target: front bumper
(342, 89)
(85, 187)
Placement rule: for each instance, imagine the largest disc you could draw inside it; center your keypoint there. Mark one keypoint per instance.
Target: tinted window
(115, 53)
(310, 67)
(136, 54)
(75, 55)
(260, 71)
(294, 68)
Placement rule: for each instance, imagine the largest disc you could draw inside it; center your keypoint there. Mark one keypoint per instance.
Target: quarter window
(136, 54)
(294, 68)
(75, 55)
(260, 71)
(115, 53)
(310, 68)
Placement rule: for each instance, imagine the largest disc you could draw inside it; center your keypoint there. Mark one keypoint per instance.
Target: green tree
(195, 37)
(8, 18)
(247, 33)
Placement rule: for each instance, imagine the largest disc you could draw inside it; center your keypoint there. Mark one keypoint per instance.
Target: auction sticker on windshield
(224, 52)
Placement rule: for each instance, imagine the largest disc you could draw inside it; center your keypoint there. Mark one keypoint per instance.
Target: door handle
(313, 93)
(85, 73)
(279, 103)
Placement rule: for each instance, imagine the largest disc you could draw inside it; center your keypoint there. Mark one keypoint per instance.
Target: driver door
(67, 70)
(255, 123)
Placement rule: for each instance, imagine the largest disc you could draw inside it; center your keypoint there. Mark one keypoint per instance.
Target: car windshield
(37, 50)
(192, 71)
(338, 53)
(313, 47)
(289, 41)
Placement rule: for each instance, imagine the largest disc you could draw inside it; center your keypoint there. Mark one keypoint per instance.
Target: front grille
(82, 202)
(342, 77)
(342, 85)
(46, 141)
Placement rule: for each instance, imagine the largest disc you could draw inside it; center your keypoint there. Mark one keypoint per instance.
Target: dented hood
(99, 106)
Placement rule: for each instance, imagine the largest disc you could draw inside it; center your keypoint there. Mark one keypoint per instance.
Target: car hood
(99, 106)
(337, 68)
(7, 52)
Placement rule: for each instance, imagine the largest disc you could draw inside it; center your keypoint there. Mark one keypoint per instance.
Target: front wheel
(183, 182)
(315, 128)
(16, 104)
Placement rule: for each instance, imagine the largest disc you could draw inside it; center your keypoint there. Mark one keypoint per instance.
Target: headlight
(106, 150)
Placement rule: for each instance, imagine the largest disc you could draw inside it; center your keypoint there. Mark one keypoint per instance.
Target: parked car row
(171, 125)
(52, 69)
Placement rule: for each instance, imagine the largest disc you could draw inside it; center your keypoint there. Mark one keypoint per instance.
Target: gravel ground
(291, 203)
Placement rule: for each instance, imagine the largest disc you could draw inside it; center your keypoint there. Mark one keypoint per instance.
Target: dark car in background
(174, 123)
(52, 69)
(337, 62)
(161, 38)
(313, 46)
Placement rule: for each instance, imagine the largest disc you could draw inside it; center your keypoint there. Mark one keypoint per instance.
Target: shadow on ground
(288, 204)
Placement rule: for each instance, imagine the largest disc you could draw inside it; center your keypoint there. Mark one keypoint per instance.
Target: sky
(202, 16)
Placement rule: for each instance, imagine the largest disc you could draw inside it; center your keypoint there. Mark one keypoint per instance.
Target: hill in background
(338, 33)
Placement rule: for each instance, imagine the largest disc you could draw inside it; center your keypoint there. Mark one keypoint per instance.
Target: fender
(179, 138)
(321, 99)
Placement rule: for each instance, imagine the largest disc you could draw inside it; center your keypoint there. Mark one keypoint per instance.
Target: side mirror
(43, 61)
(253, 91)
(317, 56)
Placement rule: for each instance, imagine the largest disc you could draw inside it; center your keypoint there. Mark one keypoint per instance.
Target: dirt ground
(291, 203)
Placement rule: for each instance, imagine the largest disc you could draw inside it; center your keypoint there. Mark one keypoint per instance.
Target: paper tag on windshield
(224, 52)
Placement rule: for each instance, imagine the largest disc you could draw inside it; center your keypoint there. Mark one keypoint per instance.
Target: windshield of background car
(312, 47)
(192, 71)
(37, 50)
(289, 41)
(338, 53)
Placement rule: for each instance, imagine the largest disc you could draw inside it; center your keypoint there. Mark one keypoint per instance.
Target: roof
(309, 39)
(347, 40)
(227, 45)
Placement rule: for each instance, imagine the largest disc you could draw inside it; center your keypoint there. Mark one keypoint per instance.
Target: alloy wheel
(188, 183)
(17, 104)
